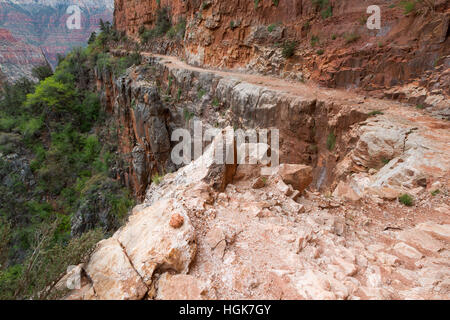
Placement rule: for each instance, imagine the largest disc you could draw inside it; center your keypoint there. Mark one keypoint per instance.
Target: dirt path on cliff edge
(430, 126)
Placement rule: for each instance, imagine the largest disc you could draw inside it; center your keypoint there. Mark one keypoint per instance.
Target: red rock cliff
(333, 44)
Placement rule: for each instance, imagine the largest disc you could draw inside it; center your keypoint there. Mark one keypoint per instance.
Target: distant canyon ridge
(33, 31)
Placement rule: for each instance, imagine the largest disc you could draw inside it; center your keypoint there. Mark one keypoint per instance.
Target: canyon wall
(337, 50)
(211, 231)
(40, 27)
(17, 58)
(328, 223)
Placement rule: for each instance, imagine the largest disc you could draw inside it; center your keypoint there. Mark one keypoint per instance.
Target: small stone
(284, 188)
(176, 221)
(407, 251)
(259, 183)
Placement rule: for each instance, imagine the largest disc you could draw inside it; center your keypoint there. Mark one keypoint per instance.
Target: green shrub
(29, 128)
(408, 6)
(47, 265)
(205, 5)
(187, 114)
(331, 141)
(420, 106)
(7, 123)
(256, 3)
(314, 40)
(271, 27)
(42, 72)
(162, 26)
(327, 12)
(324, 6)
(156, 179)
(104, 62)
(177, 31)
(406, 199)
(201, 92)
(375, 113)
(352, 37)
(13, 96)
(288, 49)
(435, 192)
(90, 111)
(320, 52)
(275, 2)
(120, 65)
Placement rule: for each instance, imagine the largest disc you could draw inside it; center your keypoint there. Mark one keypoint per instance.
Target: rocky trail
(326, 226)
(296, 88)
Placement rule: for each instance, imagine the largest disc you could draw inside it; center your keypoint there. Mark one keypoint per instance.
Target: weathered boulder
(440, 231)
(345, 192)
(113, 276)
(297, 175)
(151, 242)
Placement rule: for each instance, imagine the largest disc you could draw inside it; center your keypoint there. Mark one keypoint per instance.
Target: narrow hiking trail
(439, 129)
(306, 90)
(259, 238)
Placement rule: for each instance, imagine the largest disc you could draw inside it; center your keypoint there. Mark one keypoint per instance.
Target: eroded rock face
(33, 32)
(395, 154)
(142, 126)
(408, 49)
(257, 237)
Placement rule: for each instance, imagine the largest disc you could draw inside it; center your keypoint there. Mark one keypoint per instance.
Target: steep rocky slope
(359, 206)
(17, 58)
(40, 26)
(265, 236)
(334, 48)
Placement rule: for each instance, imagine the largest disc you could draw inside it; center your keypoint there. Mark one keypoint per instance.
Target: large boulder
(151, 242)
(113, 276)
(297, 175)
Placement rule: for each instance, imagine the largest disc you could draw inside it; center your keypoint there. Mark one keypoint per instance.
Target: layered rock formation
(17, 58)
(358, 207)
(334, 47)
(39, 28)
(211, 231)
